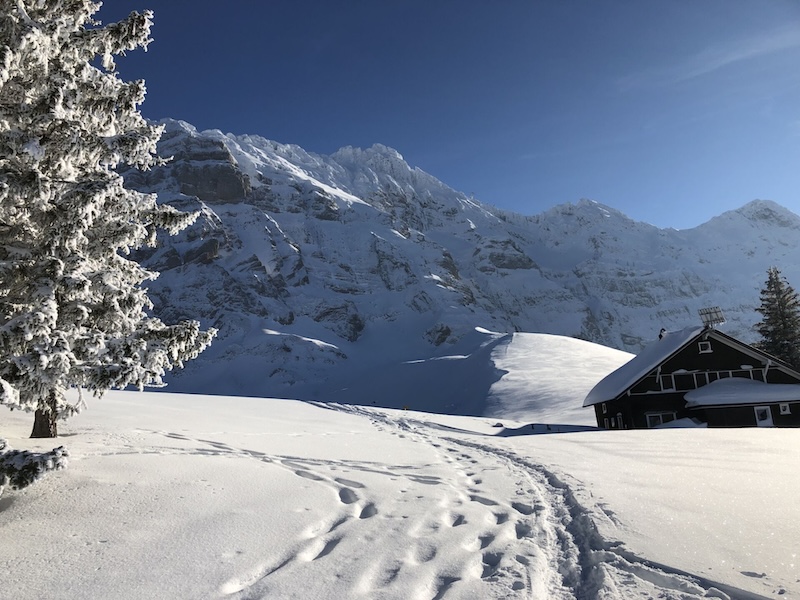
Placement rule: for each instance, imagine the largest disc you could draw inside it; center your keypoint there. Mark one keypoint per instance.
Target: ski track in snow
(537, 542)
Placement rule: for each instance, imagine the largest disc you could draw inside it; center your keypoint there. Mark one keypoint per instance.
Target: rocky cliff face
(318, 268)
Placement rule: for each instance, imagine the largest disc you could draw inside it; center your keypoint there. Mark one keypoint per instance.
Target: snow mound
(546, 377)
(517, 376)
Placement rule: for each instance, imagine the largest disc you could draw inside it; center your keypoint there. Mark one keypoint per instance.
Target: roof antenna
(711, 316)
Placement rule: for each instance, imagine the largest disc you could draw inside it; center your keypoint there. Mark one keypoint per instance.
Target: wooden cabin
(702, 374)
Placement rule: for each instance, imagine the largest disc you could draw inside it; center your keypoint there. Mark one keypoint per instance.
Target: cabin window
(605, 422)
(656, 419)
(704, 347)
(684, 381)
(785, 409)
(620, 422)
(605, 408)
(763, 416)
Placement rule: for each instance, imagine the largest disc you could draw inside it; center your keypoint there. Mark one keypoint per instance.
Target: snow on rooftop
(738, 390)
(628, 374)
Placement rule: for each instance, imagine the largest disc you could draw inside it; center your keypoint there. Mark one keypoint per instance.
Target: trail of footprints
(505, 535)
(493, 530)
(315, 542)
(509, 547)
(538, 544)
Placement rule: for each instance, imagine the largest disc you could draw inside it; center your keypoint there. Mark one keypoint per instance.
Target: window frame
(660, 415)
(704, 347)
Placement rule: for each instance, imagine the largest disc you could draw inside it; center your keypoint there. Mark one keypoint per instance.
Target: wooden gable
(651, 388)
(709, 357)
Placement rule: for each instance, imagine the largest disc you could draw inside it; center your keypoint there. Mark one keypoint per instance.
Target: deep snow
(182, 496)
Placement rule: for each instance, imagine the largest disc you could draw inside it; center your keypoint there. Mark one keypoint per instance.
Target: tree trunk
(44, 421)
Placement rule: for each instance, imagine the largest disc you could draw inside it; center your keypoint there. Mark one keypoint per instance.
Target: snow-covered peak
(351, 155)
(586, 211)
(769, 212)
(755, 215)
(178, 126)
(334, 255)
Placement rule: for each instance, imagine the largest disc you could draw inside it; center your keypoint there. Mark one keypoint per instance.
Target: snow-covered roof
(639, 366)
(741, 391)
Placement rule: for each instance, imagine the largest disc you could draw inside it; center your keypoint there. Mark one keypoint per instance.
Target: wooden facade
(651, 389)
(780, 414)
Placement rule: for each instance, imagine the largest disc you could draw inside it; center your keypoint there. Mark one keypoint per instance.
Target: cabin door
(763, 416)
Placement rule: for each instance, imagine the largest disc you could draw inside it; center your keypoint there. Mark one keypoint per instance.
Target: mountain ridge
(303, 261)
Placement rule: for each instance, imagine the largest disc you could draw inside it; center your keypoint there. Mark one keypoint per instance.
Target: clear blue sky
(671, 111)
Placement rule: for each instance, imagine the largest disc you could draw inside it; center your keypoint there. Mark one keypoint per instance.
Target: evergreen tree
(780, 325)
(21, 468)
(73, 310)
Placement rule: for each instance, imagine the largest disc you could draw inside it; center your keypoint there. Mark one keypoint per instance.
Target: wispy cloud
(717, 57)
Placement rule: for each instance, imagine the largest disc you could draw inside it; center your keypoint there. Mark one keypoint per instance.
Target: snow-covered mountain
(308, 263)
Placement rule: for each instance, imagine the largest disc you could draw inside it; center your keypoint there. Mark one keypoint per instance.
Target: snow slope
(546, 378)
(181, 496)
(514, 375)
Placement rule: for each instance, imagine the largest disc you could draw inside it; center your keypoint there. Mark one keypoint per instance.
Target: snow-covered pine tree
(779, 327)
(73, 310)
(21, 468)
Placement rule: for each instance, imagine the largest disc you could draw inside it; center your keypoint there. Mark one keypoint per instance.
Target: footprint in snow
(349, 482)
(482, 500)
(347, 496)
(218, 445)
(337, 523)
(522, 530)
(490, 562)
(521, 508)
(443, 584)
(500, 518)
(458, 520)
(319, 548)
(425, 479)
(390, 574)
(292, 465)
(308, 475)
(422, 553)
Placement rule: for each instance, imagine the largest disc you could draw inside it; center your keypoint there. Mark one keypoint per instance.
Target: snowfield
(189, 496)
(182, 496)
